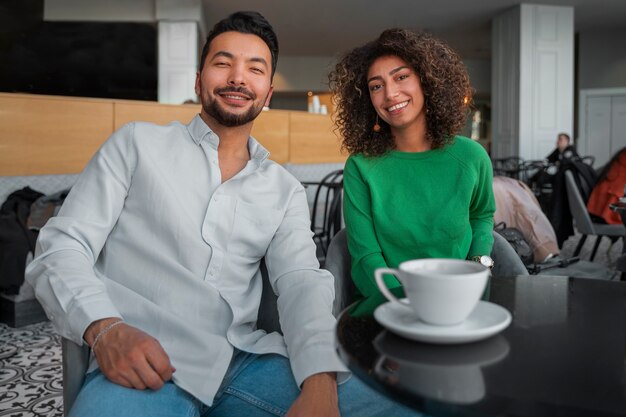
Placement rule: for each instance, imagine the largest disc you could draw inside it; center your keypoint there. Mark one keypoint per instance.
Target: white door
(602, 123)
(618, 123)
(598, 134)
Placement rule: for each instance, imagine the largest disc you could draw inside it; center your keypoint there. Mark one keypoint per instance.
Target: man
(153, 261)
(564, 151)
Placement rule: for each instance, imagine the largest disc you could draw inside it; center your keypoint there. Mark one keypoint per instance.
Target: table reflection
(451, 373)
(540, 302)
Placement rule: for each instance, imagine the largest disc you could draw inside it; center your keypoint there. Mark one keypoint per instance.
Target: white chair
(583, 221)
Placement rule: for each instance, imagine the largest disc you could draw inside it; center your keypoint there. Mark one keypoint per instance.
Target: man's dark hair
(252, 23)
(566, 136)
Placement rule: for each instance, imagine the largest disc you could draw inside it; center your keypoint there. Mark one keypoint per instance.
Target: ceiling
(330, 27)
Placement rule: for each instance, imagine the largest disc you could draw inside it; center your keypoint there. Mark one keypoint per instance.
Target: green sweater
(410, 205)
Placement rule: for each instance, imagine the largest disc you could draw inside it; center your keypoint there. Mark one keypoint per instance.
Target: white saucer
(486, 320)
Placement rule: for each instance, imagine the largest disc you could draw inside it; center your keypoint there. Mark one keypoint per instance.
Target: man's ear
(269, 96)
(198, 83)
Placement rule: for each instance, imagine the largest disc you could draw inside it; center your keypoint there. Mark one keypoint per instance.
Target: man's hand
(318, 397)
(128, 356)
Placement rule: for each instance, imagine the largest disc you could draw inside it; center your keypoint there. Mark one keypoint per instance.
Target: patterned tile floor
(30, 371)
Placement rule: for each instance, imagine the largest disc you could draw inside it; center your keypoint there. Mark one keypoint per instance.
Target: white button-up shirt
(150, 233)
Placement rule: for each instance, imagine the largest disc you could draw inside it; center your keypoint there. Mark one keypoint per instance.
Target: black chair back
(327, 205)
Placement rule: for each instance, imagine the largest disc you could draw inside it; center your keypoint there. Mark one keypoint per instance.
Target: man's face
(235, 82)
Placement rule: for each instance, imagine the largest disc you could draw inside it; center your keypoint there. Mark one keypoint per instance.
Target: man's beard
(225, 118)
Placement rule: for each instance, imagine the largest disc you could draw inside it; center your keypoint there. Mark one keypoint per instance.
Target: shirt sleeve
(363, 244)
(68, 246)
(305, 294)
(482, 209)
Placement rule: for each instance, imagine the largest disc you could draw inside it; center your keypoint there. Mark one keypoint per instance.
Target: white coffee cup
(439, 291)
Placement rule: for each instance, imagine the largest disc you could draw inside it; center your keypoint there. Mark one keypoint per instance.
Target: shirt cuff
(317, 359)
(81, 317)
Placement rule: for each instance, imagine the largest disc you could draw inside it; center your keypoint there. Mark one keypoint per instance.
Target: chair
(509, 166)
(75, 363)
(583, 221)
(531, 169)
(327, 204)
(589, 160)
(76, 358)
(506, 261)
(339, 263)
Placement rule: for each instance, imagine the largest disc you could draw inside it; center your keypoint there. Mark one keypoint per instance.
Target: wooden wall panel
(271, 128)
(42, 135)
(50, 135)
(312, 139)
(161, 114)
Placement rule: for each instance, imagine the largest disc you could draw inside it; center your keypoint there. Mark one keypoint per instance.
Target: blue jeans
(255, 385)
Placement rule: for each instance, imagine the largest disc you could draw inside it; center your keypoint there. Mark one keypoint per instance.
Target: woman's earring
(376, 127)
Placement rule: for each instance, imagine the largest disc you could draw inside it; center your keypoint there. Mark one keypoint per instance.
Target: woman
(412, 188)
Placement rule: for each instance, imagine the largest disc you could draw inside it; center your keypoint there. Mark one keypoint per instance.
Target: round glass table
(562, 355)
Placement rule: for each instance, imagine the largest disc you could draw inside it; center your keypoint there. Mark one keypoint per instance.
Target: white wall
(480, 74)
(310, 73)
(602, 59)
(303, 73)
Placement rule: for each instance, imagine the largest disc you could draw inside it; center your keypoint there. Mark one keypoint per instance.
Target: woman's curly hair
(443, 77)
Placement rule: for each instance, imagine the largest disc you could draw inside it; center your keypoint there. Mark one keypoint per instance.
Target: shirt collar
(200, 131)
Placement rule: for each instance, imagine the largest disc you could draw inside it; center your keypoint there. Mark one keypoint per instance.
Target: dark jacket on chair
(16, 240)
(559, 212)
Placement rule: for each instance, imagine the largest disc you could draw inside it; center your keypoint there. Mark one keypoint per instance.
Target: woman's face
(396, 93)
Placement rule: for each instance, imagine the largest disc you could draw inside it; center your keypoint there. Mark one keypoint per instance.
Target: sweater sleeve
(482, 208)
(363, 244)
